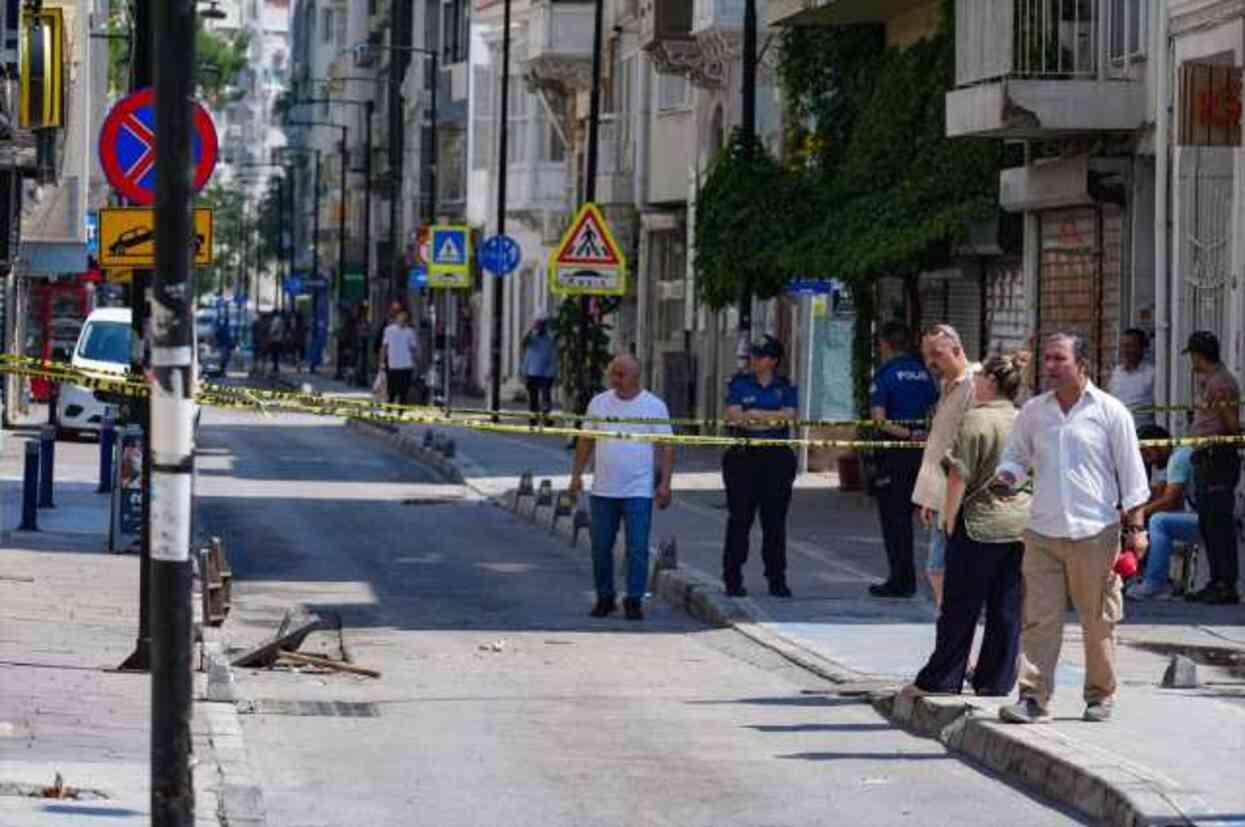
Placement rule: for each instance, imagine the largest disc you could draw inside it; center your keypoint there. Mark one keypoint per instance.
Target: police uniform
(758, 478)
(906, 391)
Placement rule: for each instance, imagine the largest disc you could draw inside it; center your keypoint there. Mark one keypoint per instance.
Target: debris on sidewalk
(493, 646)
(1181, 673)
(294, 629)
(328, 663)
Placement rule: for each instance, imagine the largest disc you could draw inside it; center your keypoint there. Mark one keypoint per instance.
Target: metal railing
(1048, 39)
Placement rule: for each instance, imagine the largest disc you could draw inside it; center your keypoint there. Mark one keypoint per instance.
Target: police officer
(901, 395)
(759, 404)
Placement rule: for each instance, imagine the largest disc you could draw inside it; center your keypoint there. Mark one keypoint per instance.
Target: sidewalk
(68, 618)
(1170, 756)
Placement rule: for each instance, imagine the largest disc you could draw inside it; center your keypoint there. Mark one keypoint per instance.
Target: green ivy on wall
(869, 186)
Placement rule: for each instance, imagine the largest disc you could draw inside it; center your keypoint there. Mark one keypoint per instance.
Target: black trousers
(1216, 472)
(399, 384)
(757, 479)
(978, 574)
(893, 487)
(539, 395)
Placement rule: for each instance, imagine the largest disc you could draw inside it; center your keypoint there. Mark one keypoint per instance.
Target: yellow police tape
(266, 401)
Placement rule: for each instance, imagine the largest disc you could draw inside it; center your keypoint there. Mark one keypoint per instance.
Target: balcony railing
(560, 30)
(1048, 39)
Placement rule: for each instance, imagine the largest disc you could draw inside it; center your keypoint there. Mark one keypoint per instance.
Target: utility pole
(362, 346)
(315, 241)
(503, 150)
(590, 195)
(400, 35)
(171, 437)
(141, 77)
(750, 138)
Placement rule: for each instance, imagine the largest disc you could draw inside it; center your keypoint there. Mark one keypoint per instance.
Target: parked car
(103, 347)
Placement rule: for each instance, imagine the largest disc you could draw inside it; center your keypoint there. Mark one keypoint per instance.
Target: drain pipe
(1162, 173)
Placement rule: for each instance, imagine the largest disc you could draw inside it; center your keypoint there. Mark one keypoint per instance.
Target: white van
(103, 347)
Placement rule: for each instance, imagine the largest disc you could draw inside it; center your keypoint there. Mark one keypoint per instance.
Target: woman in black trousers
(984, 548)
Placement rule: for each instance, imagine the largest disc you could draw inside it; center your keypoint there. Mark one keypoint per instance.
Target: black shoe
(1222, 595)
(1201, 594)
(632, 608)
(778, 587)
(605, 606)
(736, 590)
(889, 589)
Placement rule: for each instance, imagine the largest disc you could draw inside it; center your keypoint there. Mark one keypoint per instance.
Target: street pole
(750, 137)
(451, 298)
(172, 421)
(341, 242)
(400, 33)
(362, 334)
(140, 78)
(315, 254)
(503, 149)
(590, 196)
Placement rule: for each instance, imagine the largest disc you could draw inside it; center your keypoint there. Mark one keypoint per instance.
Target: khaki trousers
(1058, 569)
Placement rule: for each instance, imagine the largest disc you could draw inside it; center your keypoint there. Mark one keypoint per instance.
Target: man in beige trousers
(1080, 446)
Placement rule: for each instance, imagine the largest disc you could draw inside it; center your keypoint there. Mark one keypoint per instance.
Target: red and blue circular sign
(127, 147)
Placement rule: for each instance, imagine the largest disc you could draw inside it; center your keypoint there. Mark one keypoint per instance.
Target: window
(454, 31)
(326, 25)
(520, 104)
(672, 92)
(1127, 30)
(484, 90)
(340, 31)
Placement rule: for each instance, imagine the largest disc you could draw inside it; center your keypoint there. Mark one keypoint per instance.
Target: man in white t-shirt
(623, 487)
(397, 356)
(1132, 380)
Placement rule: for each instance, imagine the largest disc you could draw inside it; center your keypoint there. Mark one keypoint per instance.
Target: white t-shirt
(1135, 388)
(624, 468)
(399, 347)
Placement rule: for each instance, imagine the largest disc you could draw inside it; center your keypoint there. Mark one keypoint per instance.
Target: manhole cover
(309, 709)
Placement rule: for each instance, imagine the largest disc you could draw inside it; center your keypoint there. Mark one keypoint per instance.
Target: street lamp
(315, 240)
(360, 49)
(368, 108)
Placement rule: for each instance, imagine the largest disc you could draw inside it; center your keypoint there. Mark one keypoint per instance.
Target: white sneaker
(1147, 591)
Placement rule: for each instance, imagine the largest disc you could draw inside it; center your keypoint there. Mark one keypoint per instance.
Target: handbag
(380, 387)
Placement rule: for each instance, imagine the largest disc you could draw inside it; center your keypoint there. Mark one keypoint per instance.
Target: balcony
(1040, 68)
(615, 181)
(666, 34)
(535, 187)
(559, 49)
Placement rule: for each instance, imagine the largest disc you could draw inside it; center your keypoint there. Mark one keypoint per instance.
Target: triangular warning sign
(589, 241)
(448, 252)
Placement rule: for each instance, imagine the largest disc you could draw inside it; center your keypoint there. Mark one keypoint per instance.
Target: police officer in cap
(759, 404)
(900, 399)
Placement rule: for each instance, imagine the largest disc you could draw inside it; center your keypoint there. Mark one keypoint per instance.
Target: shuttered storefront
(1079, 279)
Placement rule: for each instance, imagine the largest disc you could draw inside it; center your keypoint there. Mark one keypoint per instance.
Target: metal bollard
(107, 444)
(47, 465)
(30, 489)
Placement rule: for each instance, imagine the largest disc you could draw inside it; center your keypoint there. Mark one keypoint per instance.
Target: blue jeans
(637, 514)
(1166, 527)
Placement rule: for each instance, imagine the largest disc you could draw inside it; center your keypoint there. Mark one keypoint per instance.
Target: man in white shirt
(623, 487)
(397, 356)
(1080, 446)
(1132, 381)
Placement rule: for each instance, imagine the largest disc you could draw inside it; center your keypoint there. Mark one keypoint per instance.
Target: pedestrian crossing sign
(589, 261)
(449, 249)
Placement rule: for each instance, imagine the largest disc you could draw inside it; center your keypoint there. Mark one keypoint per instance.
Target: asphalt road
(501, 702)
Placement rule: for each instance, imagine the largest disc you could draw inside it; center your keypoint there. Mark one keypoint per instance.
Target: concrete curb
(410, 445)
(227, 789)
(1038, 758)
